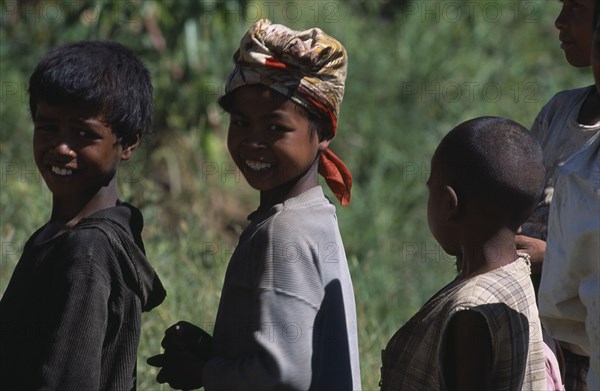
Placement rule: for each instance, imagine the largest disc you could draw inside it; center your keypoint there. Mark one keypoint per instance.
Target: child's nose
(254, 143)
(560, 22)
(64, 150)
(254, 138)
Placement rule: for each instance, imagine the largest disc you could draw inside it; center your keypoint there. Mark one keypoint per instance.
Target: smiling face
(76, 152)
(575, 30)
(270, 139)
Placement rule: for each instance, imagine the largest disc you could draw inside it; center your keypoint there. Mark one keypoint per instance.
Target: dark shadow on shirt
(497, 314)
(331, 358)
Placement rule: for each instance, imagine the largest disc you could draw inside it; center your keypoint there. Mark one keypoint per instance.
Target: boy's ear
(131, 146)
(452, 202)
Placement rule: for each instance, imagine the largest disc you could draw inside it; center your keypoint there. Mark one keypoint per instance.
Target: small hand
(187, 348)
(185, 334)
(535, 248)
(181, 369)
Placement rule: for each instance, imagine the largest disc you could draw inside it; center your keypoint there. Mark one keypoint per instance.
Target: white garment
(287, 315)
(560, 135)
(569, 296)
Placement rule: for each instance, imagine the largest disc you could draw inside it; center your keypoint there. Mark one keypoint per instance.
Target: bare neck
(481, 256)
(295, 187)
(589, 113)
(68, 211)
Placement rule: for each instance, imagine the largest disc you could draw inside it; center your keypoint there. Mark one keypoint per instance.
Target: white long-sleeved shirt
(561, 135)
(569, 295)
(287, 316)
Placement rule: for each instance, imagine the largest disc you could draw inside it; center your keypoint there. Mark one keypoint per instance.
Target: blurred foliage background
(417, 68)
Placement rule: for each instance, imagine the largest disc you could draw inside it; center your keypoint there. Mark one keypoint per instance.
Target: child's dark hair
(317, 123)
(104, 76)
(495, 164)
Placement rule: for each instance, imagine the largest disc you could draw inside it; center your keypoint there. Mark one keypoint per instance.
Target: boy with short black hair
(287, 317)
(71, 314)
(481, 331)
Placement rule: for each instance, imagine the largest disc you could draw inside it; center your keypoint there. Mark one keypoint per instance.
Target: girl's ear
(324, 144)
(131, 146)
(451, 201)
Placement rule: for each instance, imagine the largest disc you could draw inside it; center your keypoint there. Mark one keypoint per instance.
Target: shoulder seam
(286, 293)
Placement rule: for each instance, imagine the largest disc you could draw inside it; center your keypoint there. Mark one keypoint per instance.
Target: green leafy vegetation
(416, 70)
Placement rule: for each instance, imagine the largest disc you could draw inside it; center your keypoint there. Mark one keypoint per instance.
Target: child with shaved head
(482, 330)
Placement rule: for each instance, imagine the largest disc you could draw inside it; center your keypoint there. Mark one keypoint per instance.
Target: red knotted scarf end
(337, 176)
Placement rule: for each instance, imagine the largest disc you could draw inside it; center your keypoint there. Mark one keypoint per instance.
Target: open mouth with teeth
(62, 171)
(257, 166)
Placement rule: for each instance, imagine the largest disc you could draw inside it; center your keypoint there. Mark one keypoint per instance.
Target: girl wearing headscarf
(287, 317)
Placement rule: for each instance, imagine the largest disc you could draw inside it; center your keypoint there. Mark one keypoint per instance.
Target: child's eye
(277, 128)
(44, 128)
(238, 123)
(83, 133)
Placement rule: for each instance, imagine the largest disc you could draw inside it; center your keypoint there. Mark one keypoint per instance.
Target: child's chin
(451, 251)
(259, 186)
(576, 61)
(258, 182)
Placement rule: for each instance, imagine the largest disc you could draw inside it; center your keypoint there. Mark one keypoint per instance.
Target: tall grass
(412, 77)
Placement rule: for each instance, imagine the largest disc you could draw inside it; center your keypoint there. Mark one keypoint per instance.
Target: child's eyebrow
(236, 112)
(41, 118)
(79, 119)
(277, 114)
(87, 120)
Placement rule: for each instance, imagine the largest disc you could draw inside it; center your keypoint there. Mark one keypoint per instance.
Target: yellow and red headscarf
(307, 66)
